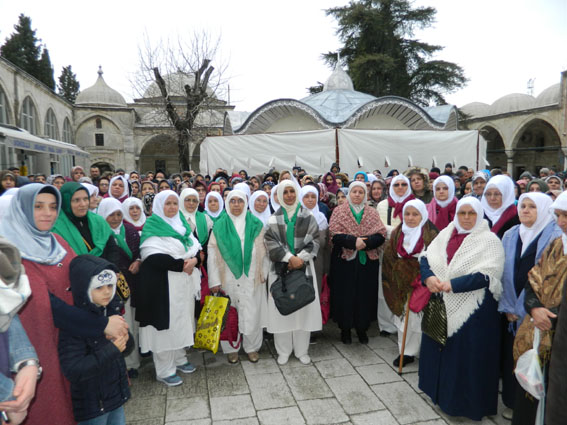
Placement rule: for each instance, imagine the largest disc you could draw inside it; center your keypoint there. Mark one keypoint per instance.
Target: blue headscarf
(362, 173)
(18, 226)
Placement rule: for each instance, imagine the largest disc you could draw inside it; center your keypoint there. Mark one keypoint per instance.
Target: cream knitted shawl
(481, 251)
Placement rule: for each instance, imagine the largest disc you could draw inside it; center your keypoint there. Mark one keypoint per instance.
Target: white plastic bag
(530, 376)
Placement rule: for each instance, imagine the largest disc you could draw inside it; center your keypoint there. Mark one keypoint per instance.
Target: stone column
(510, 161)
(564, 150)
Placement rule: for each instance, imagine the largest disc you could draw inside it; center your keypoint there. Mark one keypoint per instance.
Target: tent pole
(337, 157)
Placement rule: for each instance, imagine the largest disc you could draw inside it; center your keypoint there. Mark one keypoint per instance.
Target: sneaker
(171, 381)
(232, 358)
(305, 359)
(253, 357)
(186, 368)
(282, 359)
(507, 413)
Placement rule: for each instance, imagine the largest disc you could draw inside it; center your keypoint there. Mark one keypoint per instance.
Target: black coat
(94, 366)
(133, 241)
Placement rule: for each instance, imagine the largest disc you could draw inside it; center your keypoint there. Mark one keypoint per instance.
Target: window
(29, 116)
(99, 139)
(3, 108)
(98, 123)
(67, 131)
(51, 129)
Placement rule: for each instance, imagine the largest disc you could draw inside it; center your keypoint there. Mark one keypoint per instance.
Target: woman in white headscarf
(292, 241)
(309, 198)
(441, 209)
(357, 234)
(118, 188)
(94, 199)
(170, 282)
(523, 245)
(463, 265)
(201, 224)
(259, 206)
(274, 204)
(499, 204)
(400, 272)
(238, 265)
(133, 211)
(214, 205)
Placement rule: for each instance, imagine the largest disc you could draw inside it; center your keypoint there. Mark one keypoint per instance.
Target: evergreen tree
(382, 56)
(45, 70)
(22, 47)
(68, 84)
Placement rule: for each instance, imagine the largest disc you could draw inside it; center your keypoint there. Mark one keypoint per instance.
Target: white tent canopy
(365, 150)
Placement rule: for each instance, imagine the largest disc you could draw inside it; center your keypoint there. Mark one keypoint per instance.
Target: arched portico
(495, 149)
(159, 153)
(537, 145)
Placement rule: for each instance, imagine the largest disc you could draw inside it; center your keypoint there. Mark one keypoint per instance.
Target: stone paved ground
(350, 384)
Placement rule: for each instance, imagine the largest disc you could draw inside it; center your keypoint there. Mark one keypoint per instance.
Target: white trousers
(413, 334)
(251, 343)
(386, 319)
(133, 359)
(166, 362)
(296, 341)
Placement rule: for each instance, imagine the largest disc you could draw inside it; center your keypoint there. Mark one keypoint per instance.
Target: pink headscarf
(333, 188)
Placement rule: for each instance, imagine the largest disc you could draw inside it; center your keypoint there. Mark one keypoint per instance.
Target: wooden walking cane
(404, 338)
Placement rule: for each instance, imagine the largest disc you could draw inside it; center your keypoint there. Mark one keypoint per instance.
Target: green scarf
(230, 245)
(201, 226)
(99, 228)
(358, 218)
(218, 217)
(121, 241)
(290, 228)
(157, 226)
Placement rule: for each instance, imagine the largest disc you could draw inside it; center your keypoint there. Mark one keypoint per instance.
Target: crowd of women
(475, 253)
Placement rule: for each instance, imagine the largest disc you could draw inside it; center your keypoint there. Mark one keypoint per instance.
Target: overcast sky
(273, 48)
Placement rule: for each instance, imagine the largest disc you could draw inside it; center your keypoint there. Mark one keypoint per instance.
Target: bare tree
(187, 85)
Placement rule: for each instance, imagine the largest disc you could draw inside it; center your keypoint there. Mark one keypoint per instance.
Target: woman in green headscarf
(238, 264)
(86, 232)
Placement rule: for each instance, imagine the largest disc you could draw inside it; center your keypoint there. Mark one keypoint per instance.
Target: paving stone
(266, 365)
(225, 380)
(137, 409)
(187, 408)
(283, 416)
(354, 394)
(232, 407)
(378, 374)
(335, 368)
(433, 422)
(380, 342)
(306, 383)
(322, 411)
(382, 417)
(412, 378)
(398, 396)
(323, 351)
(154, 421)
(358, 354)
(146, 385)
(194, 385)
(191, 422)
(270, 391)
(245, 421)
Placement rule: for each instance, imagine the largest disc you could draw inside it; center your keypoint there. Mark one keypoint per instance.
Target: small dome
(100, 94)
(475, 109)
(338, 80)
(550, 96)
(512, 102)
(337, 106)
(175, 84)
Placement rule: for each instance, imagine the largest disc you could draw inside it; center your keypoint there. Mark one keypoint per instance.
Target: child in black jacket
(95, 366)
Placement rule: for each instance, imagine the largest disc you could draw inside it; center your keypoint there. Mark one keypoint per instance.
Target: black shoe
(362, 337)
(132, 373)
(385, 334)
(407, 360)
(346, 337)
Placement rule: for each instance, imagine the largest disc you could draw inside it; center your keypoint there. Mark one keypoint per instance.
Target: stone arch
(159, 152)
(6, 113)
(37, 124)
(537, 145)
(86, 130)
(104, 164)
(495, 148)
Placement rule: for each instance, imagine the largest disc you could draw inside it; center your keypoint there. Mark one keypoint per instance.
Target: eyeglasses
(401, 185)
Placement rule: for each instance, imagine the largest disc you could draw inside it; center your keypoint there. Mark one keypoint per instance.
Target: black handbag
(434, 321)
(292, 290)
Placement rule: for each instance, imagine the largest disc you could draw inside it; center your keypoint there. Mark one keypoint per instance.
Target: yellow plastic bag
(209, 324)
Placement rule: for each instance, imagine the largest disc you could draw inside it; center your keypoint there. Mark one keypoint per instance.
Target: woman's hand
(16, 418)
(361, 243)
(24, 391)
(541, 316)
(295, 263)
(120, 342)
(511, 317)
(135, 267)
(433, 284)
(116, 327)
(189, 265)
(445, 286)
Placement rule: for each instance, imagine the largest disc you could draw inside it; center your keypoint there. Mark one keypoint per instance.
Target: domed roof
(175, 83)
(336, 106)
(476, 109)
(100, 94)
(550, 96)
(512, 102)
(338, 80)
